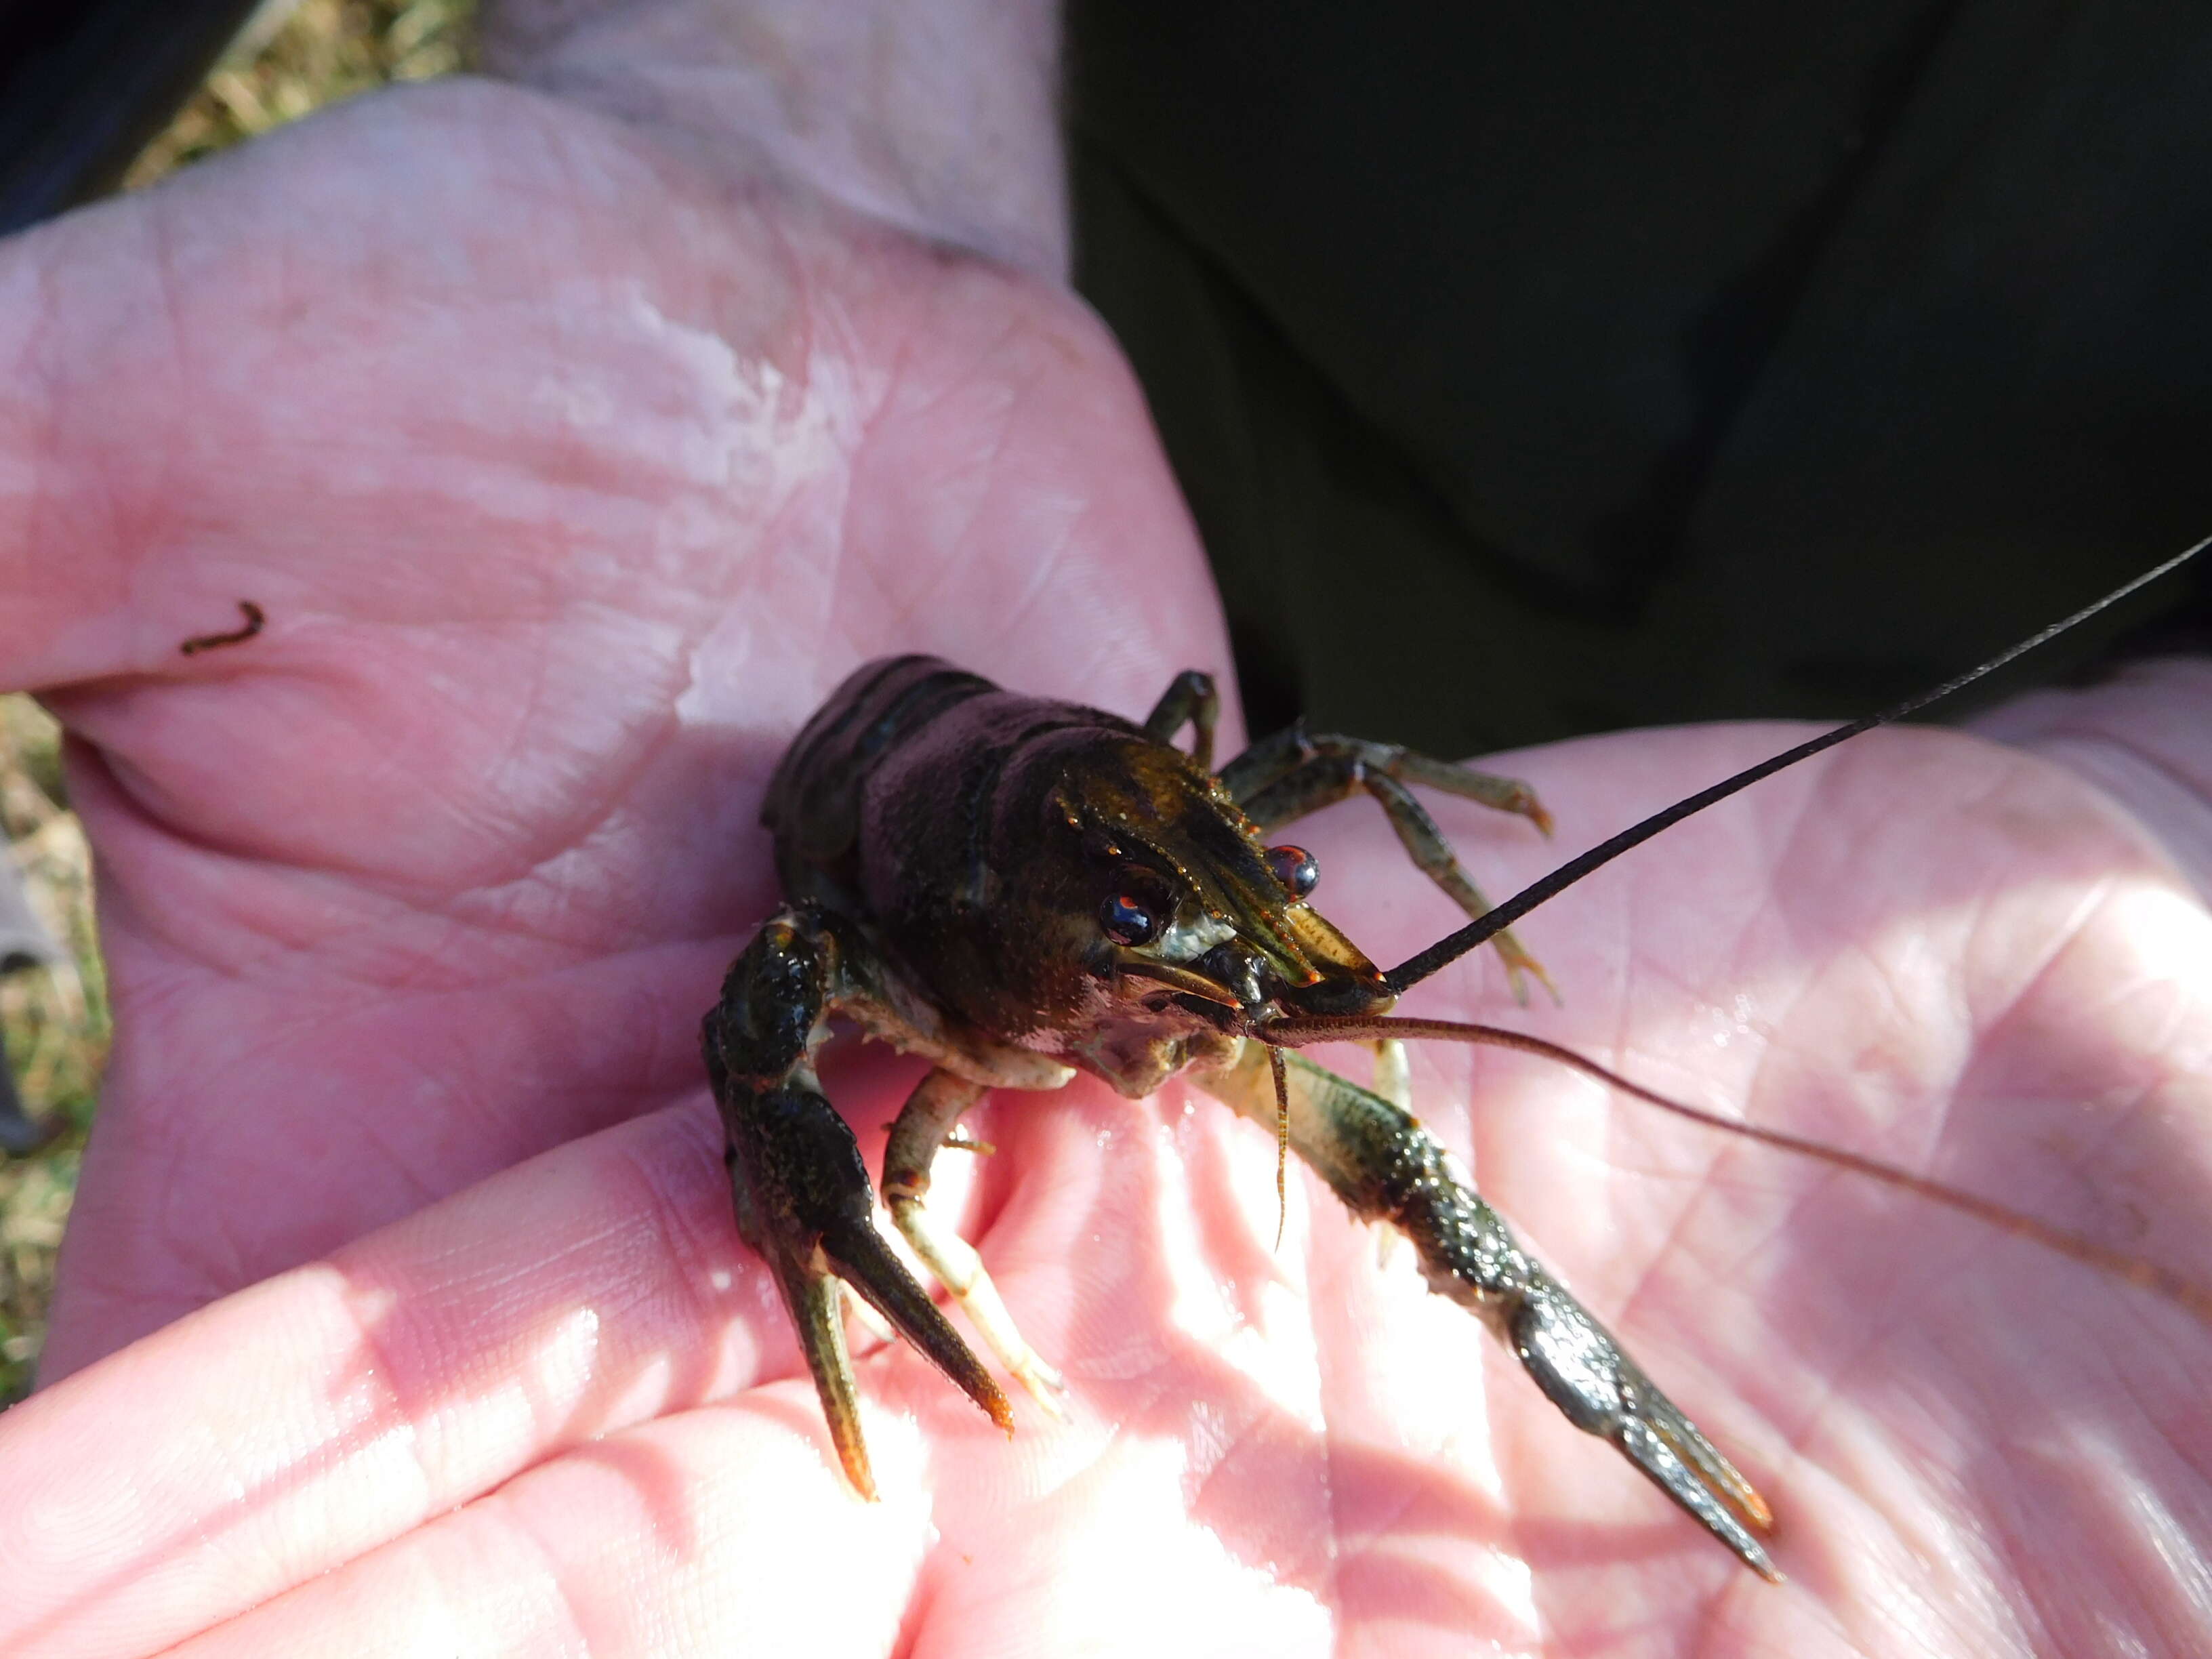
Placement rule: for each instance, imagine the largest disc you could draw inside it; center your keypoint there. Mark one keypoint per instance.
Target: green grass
(55, 1022)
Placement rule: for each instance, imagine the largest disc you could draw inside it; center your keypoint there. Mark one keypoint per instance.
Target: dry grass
(290, 61)
(55, 1021)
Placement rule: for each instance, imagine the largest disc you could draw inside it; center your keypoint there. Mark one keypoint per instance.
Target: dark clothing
(1536, 370)
(85, 83)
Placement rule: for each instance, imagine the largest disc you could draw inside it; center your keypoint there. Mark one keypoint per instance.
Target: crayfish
(1017, 889)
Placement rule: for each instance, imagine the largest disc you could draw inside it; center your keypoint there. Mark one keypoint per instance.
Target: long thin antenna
(1282, 1077)
(1453, 946)
(1297, 1032)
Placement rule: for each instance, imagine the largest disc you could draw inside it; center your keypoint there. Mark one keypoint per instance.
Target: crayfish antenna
(1280, 1070)
(2162, 1282)
(1453, 946)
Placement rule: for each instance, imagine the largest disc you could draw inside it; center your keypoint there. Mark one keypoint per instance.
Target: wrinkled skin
(571, 480)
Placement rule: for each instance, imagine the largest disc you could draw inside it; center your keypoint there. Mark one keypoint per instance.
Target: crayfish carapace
(1018, 889)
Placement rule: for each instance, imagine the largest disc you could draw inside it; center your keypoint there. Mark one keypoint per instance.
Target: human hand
(563, 1406)
(570, 478)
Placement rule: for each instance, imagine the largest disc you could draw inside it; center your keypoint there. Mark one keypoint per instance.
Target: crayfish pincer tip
(1755, 1510)
(1651, 1449)
(857, 1253)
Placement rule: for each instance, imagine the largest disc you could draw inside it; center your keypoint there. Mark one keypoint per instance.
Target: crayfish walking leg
(1285, 777)
(923, 1123)
(1384, 1166)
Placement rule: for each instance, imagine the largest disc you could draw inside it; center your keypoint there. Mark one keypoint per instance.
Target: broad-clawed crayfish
(1018, 889)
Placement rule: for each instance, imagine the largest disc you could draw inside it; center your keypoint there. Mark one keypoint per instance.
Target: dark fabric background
(85, 83)
(1536, 370)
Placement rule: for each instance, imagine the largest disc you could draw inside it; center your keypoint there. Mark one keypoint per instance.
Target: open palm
(570, 477)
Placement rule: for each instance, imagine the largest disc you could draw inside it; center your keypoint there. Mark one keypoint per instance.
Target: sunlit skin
(570, 479)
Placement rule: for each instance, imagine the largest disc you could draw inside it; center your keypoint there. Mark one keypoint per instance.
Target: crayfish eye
(1128, 920)
(1295, 868)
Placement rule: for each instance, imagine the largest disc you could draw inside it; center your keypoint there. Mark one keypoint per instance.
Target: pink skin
(571, 478)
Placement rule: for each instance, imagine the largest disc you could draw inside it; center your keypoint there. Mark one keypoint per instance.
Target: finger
(711, 1532)
(280, 1433)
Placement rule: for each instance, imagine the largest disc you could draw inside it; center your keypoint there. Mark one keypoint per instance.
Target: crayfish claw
(858, 1255)
(801, 1187)
(815, 1303)
(1376, 1157)
(1654, 1454)
(1601, 1391)
(804, 1203)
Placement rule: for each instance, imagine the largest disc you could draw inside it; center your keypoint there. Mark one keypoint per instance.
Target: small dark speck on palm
(199, 642)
